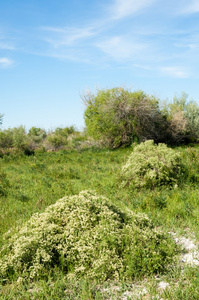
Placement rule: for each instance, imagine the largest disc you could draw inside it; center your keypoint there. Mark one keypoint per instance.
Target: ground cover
(32, 183)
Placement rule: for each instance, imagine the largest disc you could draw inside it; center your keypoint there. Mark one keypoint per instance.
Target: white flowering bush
(151, 165)
(85, 235)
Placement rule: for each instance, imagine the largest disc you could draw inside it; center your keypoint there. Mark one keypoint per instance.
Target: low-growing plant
(151, 165)
(4, 183)
(86, 236)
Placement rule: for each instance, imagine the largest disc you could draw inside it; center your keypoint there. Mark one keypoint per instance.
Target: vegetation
(114, 232)
(17, 138)
(151, 165)
(1, 119)
(118, 117)
(86, 235)
(183, 117)
(33, 183)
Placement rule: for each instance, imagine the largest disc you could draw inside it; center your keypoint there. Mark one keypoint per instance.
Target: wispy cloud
(5, 62)
(123, 8)
(119, 48)
(175, 72)
(192, 7)
(66, 36)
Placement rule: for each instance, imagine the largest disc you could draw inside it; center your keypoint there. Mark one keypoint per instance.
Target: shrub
(14, 137)
(36, 137)
(151, 165)
(1, 119)
(6, 138)
(86, 235)
(183, 120)
(20, 140)
(59, 138)
(118, 116)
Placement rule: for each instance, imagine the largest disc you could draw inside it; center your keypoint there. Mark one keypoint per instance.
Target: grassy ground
(34, 182)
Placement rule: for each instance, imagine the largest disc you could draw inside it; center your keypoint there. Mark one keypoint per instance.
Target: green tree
(118, 116)
(183, 117)
(1, 119)
(6, 138)
(59, 137)
(20, 140)
(36, 135)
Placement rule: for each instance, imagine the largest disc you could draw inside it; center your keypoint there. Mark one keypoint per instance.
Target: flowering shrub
(152, 165)
(86, 235)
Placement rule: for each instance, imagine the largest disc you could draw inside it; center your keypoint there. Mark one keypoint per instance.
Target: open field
(29, 184)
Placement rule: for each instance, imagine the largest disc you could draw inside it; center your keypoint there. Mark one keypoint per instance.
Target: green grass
(35, 182)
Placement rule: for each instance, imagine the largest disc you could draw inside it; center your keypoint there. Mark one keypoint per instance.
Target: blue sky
(51, 51)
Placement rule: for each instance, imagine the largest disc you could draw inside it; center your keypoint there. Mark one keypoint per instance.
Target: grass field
(29, 184)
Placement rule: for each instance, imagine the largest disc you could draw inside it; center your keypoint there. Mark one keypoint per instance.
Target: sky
(53, 51)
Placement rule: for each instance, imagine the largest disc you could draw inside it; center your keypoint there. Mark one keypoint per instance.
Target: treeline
(37, 138)
(114, 118)
(119, 117)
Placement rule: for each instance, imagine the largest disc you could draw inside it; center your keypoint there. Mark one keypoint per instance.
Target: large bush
(118, 116)
(36, 136)
(1, 119)
(86, 235)
(183, 120)
(151, 165)
(6, 138)
(59, 137)
(14, 137)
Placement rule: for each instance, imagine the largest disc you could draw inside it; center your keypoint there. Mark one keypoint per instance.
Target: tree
(37, 135)
(20, 140)
(183, 117)
(1, 119)
(59, 138)
(6, 138)
(118, 116)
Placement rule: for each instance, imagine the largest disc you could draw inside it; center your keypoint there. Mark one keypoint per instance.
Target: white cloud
(124, 8)
(192, 7)
(5, 62)
(119, 48)
(66, 36)
(175, 72)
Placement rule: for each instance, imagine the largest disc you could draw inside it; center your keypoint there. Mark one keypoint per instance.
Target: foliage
(37, 138)
(59, 137)
(183, 116)
(118, 116)
(1, 119)
(4, 183)
(35, 182)
(14, 137)
(20, 140)
(86, 235)
(37, 135)
(6, 138)
(151, 165)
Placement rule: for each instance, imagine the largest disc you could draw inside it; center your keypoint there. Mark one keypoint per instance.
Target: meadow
(29, 184)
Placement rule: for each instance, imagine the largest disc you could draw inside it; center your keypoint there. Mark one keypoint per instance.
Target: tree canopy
(118, 116)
